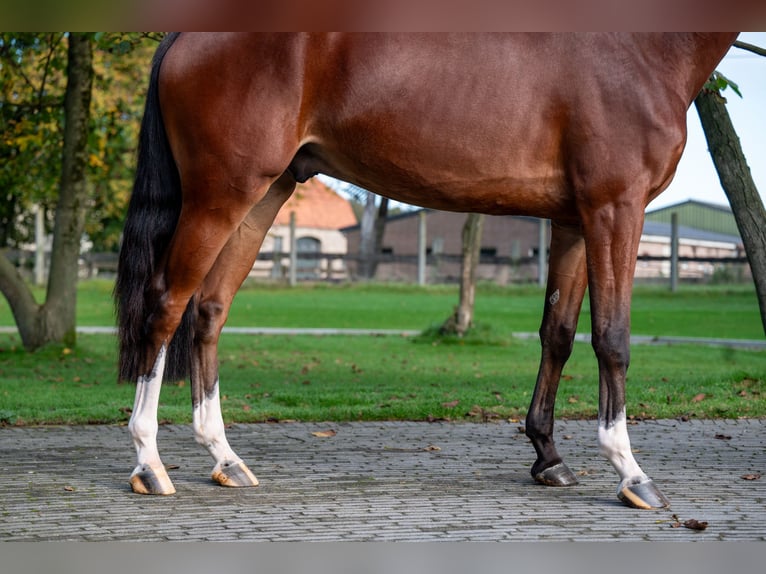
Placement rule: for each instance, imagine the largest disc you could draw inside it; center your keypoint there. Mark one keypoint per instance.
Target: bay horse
(583, 129)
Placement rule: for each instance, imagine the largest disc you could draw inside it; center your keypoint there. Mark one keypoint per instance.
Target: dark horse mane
(151, 219)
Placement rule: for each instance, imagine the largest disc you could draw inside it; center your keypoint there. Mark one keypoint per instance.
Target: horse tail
(151, 220)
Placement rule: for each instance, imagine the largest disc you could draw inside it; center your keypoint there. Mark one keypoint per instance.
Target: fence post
(673, 252)
(276, 258)
(39, 246)
(293, 275)
(422, 247)
(542, 253)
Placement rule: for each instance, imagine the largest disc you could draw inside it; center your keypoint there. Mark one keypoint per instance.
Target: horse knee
(612, 346)
(558, 340)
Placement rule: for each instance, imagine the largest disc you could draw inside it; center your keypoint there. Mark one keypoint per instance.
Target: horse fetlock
(143, 431)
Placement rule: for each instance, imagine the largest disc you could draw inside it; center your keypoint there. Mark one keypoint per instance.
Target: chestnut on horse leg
(563, 298)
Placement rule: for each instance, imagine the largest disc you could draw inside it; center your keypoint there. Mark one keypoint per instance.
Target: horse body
(582, 129)
(499, 119)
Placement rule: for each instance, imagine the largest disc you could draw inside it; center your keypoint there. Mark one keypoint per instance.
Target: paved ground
(382, 481)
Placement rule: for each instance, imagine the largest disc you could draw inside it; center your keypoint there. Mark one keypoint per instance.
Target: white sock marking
(143, 420)
(209, 428)
(614, 444)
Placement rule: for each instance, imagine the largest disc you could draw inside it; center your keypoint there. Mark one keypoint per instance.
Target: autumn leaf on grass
(451, 404)
(698, 398)
(324, 433)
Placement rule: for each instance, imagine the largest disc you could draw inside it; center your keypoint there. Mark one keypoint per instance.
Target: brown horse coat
(584, 129)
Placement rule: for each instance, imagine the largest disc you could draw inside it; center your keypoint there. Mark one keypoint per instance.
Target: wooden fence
(440, 268)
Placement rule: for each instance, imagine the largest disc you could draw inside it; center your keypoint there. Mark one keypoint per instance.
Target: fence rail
(442, 267)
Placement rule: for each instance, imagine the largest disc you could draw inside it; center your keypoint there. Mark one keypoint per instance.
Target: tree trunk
(25, 309)
(380, 230)
(738, 184)
(462, 319)
(367, 238)
(55, 321)
(373, 227)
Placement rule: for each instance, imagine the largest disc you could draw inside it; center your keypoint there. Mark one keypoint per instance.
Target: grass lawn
(372, 378)
(714, 311)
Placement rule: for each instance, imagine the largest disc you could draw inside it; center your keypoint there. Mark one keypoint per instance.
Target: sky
(696, 177)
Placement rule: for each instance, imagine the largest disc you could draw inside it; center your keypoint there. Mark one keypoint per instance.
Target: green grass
(488, 375)
(372, 378)
(719, 311)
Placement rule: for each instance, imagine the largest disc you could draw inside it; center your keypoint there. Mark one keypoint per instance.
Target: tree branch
(8, 59)
(52, 45)
(750, 48)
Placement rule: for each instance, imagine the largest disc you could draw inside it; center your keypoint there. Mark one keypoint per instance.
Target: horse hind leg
(217, 292)
(149, 476)
(566, 287)
(200, 236)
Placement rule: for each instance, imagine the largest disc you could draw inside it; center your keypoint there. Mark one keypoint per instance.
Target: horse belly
(473, 172)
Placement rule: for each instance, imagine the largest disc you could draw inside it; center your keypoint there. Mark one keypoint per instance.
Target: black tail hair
(151, 220)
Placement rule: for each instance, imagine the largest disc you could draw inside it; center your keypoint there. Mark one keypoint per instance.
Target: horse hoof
(556, 475)
(148, 480)
(234, 474)
(643, 495)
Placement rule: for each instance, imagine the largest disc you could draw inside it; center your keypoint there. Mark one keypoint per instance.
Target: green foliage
(122, 71)
(32, 84)
(718, 83)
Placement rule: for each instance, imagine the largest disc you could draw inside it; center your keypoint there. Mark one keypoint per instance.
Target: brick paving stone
(377, 481)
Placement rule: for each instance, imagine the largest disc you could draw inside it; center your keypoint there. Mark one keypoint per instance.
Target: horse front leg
(612, 238)
(230, 270)
(563, 299)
